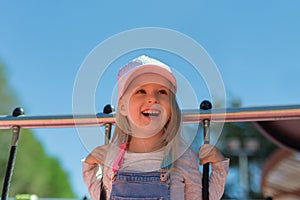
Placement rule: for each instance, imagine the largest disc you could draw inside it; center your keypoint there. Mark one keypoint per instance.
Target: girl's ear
(122, 107)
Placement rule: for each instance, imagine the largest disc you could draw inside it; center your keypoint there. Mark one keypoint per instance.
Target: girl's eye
(163, 92)
(141, 91)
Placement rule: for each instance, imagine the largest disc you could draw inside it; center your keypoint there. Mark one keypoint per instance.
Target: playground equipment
(281, 124)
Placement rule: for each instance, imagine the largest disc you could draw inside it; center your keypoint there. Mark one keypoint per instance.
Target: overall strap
(119, 158)
(166, 165)
(167, 161)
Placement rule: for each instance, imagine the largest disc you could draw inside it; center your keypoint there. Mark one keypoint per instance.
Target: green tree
(241, 142)
(243, 133)
(34, 172)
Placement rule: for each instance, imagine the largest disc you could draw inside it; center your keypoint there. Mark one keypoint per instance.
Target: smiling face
(150, 102)
(146, 103)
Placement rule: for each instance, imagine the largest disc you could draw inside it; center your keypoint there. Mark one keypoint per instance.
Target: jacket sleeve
(217, 179)
(92, 179)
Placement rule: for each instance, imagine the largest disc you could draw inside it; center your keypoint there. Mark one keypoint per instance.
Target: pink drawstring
(119, 158)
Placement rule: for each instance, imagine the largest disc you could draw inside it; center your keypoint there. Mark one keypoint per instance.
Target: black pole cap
(108, 109)
(18, 111)
(205, 105)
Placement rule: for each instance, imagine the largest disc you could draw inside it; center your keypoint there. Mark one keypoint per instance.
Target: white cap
(143, 65)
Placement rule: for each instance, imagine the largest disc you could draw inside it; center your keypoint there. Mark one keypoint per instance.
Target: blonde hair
(169, 138)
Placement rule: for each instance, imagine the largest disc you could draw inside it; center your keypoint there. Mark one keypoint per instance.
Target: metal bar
(56, 121)
(12, 155)
(246, 114)
(206, 106)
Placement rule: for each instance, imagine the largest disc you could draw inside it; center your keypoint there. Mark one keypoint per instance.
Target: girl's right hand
(97, 156)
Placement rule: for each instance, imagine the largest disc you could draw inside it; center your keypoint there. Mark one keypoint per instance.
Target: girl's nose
(152, 99)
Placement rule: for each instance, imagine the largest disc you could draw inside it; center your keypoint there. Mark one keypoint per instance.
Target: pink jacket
(186, 179)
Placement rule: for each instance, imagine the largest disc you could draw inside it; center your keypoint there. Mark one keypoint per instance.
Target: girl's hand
(209, 154)
(97, 156)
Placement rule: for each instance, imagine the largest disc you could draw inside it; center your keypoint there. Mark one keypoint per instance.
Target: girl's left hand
(209, 154)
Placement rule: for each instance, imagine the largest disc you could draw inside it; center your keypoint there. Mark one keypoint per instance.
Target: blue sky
(254, 44)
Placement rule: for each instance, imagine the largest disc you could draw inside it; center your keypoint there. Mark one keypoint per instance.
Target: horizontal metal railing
(246, 114)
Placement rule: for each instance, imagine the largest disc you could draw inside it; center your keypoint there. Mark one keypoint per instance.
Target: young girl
(146, 158)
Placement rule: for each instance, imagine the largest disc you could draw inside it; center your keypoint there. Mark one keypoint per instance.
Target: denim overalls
(139, 185)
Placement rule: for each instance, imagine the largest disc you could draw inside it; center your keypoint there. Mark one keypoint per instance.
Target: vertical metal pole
(205, 105)
(12, 156)
(107, 110)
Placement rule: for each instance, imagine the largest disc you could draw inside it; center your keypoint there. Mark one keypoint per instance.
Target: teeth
(150, 113)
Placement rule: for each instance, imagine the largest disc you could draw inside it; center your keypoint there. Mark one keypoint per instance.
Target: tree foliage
(35, 172)
(245, 134)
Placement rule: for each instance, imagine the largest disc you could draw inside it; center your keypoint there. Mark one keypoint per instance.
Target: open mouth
(150, 113)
